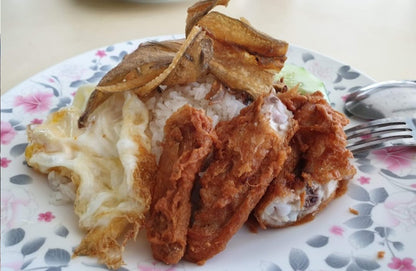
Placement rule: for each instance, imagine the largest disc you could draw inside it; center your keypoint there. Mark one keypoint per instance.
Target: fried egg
(106, 168)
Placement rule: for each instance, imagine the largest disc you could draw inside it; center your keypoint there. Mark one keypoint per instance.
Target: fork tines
(381, 133)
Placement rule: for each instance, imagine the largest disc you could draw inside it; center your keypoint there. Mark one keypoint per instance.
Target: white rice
(162, 105)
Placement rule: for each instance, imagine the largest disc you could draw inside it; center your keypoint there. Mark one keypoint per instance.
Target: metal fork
(381, 133)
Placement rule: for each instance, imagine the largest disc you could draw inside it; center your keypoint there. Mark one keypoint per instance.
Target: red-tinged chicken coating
(251, 150)
(321, 137)
(317, 169)
(187, 142)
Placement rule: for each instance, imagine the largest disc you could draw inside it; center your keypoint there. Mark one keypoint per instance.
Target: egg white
(98, 166)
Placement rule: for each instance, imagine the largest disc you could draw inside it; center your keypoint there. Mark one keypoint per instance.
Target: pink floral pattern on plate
(405, 264)
(5, 162)
(396, 158)
(7, 132)
(34, 103)
(47, 216)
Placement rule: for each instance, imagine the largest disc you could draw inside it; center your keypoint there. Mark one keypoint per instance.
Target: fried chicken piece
(251, 149)
(187, 142)
(317, 169)
(279, 195)
(321, 137)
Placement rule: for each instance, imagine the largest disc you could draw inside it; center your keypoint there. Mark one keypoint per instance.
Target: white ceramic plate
(36, 235)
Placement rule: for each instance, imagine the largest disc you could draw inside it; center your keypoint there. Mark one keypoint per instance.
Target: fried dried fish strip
(194, 62)
(154, 62)
(139, 67)
(240, 70)
(232, 31)
(147, 56)
(243, 59)
(188, 141)
(251, 150)
(200, 9)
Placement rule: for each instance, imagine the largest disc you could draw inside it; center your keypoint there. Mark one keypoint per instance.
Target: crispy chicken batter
(248, 154)
(188, 141)
(321, 137)
(318, 156)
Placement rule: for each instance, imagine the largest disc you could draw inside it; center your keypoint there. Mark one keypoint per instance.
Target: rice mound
(223, 106)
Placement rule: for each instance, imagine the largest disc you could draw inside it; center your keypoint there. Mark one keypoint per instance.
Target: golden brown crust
(144, 175)
(103, 242)
(321, 137)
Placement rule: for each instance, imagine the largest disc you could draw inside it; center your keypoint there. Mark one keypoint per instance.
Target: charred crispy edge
(101, 242)
(199, 10)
